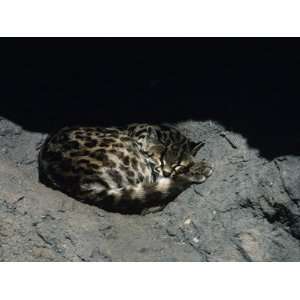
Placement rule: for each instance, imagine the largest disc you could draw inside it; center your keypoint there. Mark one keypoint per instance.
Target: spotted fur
(138, 169)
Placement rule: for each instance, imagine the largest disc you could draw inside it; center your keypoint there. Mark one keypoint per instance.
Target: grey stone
(246, 211)
(290, 172)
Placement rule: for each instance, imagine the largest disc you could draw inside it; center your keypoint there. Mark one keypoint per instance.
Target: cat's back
(76, 155)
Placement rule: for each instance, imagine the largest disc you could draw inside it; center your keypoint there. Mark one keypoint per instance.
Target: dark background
(250, 85)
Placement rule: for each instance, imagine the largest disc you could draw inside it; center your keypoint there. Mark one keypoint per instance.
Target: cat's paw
(198, 172)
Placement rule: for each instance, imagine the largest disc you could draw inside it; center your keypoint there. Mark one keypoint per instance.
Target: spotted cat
(138, 169)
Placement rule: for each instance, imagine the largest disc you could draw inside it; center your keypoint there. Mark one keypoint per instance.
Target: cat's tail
(138, 199)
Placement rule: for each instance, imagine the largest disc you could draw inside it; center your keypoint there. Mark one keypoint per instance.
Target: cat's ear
(195, 147)
(152, 134)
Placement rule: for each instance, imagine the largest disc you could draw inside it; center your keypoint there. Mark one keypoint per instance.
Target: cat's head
(169, 150)
(174, 158)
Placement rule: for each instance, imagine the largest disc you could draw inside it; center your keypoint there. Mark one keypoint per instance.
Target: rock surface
(248, 210)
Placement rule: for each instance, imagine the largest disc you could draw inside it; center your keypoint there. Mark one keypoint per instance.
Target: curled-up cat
(138, 169)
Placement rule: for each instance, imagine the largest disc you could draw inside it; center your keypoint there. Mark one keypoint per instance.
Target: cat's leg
(147, 197)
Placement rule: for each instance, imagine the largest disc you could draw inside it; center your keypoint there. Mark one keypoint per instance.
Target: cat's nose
(167, 173)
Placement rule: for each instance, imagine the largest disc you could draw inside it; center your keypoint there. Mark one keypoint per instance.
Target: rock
(290, 172)
(246, 211)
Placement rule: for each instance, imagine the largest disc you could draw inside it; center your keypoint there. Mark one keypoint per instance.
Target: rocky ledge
(248, 210)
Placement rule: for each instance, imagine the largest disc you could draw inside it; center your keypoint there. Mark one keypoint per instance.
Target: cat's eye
(157, 169)
(184, 163)
(180, 169)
